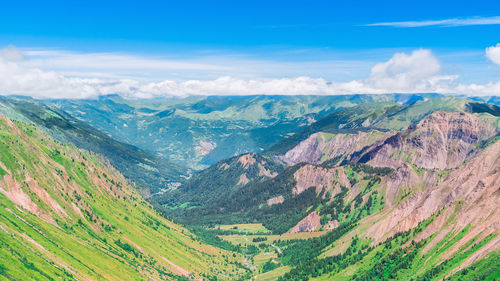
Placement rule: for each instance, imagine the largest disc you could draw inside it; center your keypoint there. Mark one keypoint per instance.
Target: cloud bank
(415, 72)
(444, 23)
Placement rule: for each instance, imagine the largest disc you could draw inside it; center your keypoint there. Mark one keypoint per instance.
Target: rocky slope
(440, 141)
(321, 147)
(443, 193)
(421, 156)
(67, 214)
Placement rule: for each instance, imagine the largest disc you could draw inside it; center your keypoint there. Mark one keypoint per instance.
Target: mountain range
(362, 187)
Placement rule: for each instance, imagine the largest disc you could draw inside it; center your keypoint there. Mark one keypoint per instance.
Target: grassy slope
(150, 171)
(66, 214)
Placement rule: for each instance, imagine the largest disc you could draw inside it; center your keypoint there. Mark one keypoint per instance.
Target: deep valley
(364, 187)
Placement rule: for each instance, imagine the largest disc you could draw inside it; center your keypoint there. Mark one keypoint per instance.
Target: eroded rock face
(400, 182)
(249, 164)
(13, 191)
(243, 180)
(321, 178)
(308, 224)
(247, 160)
(263, 172)
(466, 195)
(307, 151)
(320, 147)
(448, 138)
(438, 167)
(443, 140)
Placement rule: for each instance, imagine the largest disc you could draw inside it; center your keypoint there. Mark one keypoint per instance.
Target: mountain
(66, 213)
(394, 191)
(220, 180)
(151, 172)
(336, 138)
(495, 100)
(380, 116)
(199, 131)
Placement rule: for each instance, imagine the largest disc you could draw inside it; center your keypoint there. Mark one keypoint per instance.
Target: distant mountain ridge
(199, 131)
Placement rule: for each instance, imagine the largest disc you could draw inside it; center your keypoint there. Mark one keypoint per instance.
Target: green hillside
(66, 214)
(219, 181)
(150, 172)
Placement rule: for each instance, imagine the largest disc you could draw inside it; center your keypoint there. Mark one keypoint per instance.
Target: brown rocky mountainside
(468, 197)
(320, 147)
(442, 140)
(425, 158)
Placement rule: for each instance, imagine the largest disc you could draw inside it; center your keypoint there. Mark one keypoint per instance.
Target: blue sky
(152, 26)
(339, 41)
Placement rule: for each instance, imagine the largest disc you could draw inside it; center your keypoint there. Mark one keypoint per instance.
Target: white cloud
(416, 72)
(200, 65)
(17, 79)
(11, 53)
(236, 86)
(445, 22)
(493, 53)
(404, 72)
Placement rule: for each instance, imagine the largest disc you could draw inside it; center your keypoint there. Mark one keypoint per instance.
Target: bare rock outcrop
(13, 191)
(247, 160)
(307, 151)
(321, 178)
(332, 225)
(275, 200)
(308, 224)
(243, 179)
(263, 172)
